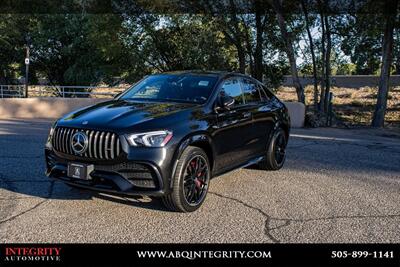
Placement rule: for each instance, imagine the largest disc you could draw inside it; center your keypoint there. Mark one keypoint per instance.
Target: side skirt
(248, 163)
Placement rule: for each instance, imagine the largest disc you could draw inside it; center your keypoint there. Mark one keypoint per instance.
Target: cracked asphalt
(336, 186)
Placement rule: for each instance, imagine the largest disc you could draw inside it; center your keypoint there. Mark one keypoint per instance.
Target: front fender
(200, 137)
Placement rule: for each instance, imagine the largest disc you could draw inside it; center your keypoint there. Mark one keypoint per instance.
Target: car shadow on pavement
(138, 202)
(12, 190)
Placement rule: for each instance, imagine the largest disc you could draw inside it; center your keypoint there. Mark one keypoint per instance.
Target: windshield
(180, 88)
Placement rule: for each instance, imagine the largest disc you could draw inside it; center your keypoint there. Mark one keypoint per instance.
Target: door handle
(247, 115)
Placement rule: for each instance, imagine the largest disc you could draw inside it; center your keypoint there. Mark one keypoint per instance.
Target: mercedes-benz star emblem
(79, 142)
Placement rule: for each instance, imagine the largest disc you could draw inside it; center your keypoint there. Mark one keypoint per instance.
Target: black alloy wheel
(190, 181)
(276, 151)
(280, 148)
(195, 181)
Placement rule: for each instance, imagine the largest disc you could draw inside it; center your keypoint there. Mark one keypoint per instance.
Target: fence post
(63, 93)
(1, 91)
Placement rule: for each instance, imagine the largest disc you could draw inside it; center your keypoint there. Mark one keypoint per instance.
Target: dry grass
(102, 91)
(353, 106)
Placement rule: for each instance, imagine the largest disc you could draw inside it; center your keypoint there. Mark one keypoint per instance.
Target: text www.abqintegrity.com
(203, 254)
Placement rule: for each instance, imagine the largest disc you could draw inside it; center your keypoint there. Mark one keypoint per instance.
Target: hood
(120, 114)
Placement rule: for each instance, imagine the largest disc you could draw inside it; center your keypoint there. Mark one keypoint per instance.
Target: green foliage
(346, 69)
(73, 49)
(82, 48)
(176, 42)
(362, 41)
(11, 47)
(274, 74)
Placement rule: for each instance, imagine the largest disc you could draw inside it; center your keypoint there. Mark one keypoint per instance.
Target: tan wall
(297, 112)
(42, 108)
(53, 108)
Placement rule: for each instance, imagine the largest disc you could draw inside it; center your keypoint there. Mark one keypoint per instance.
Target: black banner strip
(184, 254)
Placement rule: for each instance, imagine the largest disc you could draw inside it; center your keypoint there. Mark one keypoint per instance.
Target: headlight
(150, 139)
(51, 134)
(51, 131)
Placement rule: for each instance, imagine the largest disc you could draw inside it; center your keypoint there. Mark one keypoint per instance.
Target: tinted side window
(250, 91)
(266, 92)
(232, 88)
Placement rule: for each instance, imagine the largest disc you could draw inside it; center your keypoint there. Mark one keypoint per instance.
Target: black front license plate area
(79, 171)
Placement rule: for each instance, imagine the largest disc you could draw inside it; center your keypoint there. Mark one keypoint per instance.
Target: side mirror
(225, 102)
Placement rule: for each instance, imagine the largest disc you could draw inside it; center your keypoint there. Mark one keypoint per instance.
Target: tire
(190, 181)
(276, 152)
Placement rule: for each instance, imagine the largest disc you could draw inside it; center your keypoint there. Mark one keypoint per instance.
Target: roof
(217, 74)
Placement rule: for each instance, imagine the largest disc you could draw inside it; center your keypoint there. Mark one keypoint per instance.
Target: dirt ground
(353, 106)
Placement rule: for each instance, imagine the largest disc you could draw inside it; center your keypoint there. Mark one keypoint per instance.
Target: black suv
(167, 135)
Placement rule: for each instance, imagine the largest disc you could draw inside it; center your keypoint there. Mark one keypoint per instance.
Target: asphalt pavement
(336, 186)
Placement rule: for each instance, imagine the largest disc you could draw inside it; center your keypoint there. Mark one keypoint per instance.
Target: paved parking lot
(336, 186)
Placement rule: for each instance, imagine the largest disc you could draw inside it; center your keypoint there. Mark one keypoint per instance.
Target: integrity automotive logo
(31, 254)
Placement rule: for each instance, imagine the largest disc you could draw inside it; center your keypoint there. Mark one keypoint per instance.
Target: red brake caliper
(197, 181)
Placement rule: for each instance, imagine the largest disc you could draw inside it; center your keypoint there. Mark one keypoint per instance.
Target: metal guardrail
(18, 91)
(7, 91)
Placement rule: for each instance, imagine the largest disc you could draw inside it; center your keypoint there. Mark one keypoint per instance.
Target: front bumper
(126, 178)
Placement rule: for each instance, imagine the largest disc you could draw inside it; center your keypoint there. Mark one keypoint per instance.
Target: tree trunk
(236, 41)
(378, 119)
(314, 64)
(398, 65)
(397, 53)
(322, 95)
(233, 33)
(327, 64)
(258, 55)
(276, 5)
(249, 50)
(242, 59)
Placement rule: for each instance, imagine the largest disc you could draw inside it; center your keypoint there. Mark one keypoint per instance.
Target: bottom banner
(183, 254)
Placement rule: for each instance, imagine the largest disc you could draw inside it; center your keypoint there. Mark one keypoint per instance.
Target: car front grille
(101, 144)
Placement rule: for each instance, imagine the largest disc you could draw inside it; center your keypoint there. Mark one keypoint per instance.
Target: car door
(262, 113)
(234, 127)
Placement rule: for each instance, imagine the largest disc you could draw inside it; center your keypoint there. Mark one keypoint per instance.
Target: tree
(396, 48)
(234, 32)
(245, 30)
(77, 49)
(361, 38)
(12, 42)
(326, 56)
(288, 41)
(167, 43)
(378, 119)
(313, 59)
